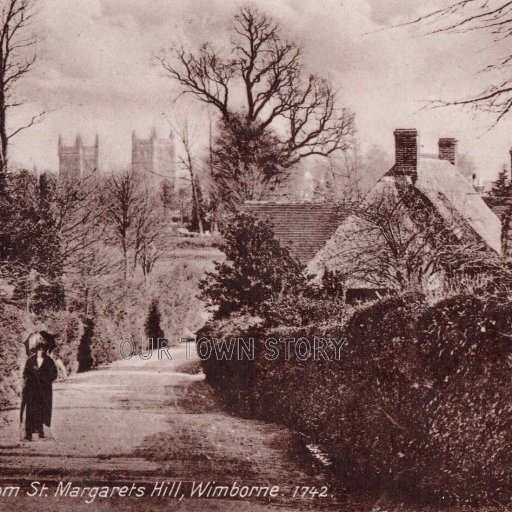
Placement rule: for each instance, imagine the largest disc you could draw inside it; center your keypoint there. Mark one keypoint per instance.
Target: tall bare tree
(136, 222)
(148, 235)
(188, 162)
(123, 202)
(277, 91)
(17, 57)
(489, 16)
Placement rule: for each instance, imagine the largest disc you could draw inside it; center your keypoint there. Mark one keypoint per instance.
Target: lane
(144, 422)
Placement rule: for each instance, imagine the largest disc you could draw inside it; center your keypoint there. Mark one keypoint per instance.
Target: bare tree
(136, 221)
(189, 163)
(78, 215)
(123, 203)
(495, 18)
(267, 70)
(149, 234)
(17, 57)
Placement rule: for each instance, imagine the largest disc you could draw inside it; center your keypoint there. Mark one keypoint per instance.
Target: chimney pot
(448, 150)
(406, 152)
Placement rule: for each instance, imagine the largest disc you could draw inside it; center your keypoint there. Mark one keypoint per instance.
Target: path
(144, 422)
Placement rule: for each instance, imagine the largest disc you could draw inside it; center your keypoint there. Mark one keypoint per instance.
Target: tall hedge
(419, 403)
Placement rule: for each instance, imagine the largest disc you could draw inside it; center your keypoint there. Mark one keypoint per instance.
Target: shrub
(84, 355)
(466, 346)
(152, 327)
(14, 328)
(69, 330)
(257, 269)
(230, 377)
(420, 402)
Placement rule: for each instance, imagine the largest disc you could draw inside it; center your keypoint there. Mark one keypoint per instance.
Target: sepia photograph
(255, 255)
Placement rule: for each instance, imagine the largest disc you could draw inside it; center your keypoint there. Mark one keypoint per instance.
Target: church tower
(78, 161)
(154, 157)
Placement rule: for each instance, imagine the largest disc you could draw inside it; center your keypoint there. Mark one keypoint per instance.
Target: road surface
(140, 423)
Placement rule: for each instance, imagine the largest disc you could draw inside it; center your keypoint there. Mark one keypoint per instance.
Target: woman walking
(38, 375)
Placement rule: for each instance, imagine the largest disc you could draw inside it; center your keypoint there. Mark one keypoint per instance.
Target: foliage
(84, 353)
(308, 303)
(257, 269)
(69, 330)
(13, 329)
(232, 377)
(30, 250)
(419, 403)
(247, 162)
(501, 185)
(152, 327)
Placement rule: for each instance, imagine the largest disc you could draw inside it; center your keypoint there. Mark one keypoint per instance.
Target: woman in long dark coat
(38, 376)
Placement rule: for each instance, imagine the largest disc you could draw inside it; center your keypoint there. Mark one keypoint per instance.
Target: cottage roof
(449, 191)
(445, 188)
(302, 227)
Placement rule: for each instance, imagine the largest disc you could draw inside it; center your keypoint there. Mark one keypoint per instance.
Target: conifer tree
(152, 327)
(257, 269)
(501, 185)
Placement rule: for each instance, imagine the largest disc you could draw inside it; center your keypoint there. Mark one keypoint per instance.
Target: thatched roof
(448, 190)
(448, 194)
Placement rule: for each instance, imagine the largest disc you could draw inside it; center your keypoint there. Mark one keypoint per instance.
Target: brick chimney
(406, 152)
(448, 150)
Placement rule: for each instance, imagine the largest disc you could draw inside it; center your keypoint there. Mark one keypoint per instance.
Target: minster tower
(78, 160)
(154, 157)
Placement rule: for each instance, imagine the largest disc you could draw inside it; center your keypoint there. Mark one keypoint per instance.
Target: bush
(152, 327)
(69, 330)
(257, 269)
(232, 378)
(14, 328)
(420, 403)
(466, 347)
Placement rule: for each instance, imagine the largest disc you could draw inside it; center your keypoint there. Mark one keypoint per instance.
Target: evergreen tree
(152, 326)
(84, 355)
(501, 186)
(166, 195)
(198, 209)
(256, 270)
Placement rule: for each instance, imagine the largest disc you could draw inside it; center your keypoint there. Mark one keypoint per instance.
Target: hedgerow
(419, 403)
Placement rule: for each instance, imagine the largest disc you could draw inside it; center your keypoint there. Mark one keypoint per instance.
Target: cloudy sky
(96, 73)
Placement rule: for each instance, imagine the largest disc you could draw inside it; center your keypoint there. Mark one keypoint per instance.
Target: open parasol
(39, 338)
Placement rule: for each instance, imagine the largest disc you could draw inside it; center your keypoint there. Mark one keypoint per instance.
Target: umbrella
(39, 338)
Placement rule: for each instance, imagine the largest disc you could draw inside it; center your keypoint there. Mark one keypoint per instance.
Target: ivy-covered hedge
(466, 346)
(420, 402)
(81, 345)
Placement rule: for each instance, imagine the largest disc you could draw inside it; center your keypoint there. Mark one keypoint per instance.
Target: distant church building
(78, 160)
(155, 157)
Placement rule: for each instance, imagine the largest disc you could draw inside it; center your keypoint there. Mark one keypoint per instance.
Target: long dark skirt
(37, 394)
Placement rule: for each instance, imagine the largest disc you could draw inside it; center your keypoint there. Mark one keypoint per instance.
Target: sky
(96, 72)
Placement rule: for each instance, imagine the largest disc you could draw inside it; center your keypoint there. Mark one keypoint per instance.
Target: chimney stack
(448, 150)
(406, 152)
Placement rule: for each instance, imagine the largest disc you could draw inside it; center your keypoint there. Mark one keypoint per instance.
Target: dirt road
(140, 423)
